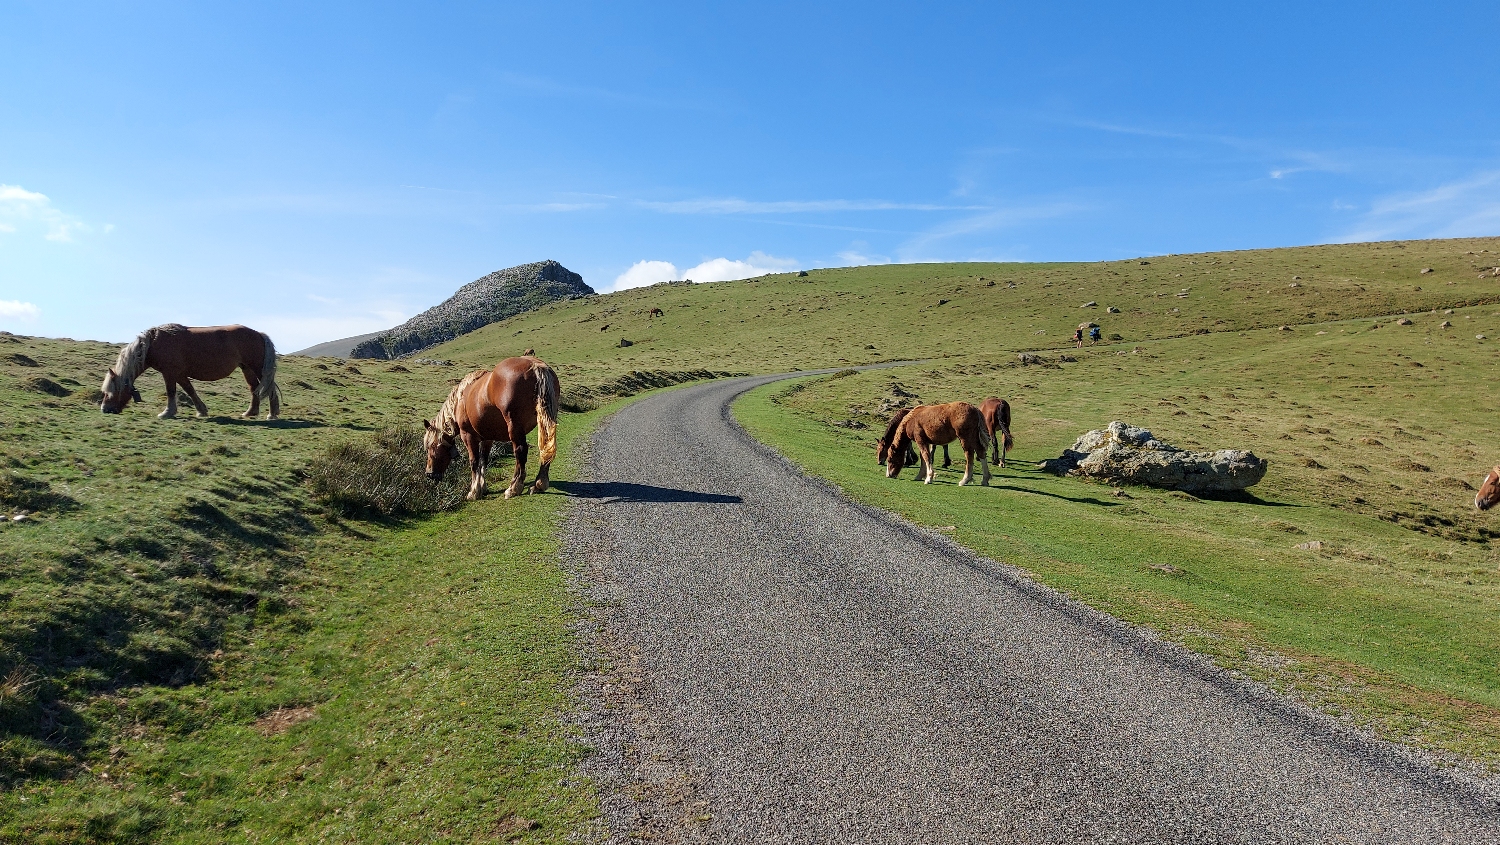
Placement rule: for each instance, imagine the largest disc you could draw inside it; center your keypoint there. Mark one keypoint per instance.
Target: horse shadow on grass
(610, 492)
(279, 424)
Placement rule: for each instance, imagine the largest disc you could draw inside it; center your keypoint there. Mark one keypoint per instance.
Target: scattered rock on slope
(501, 294)
(1129, 454)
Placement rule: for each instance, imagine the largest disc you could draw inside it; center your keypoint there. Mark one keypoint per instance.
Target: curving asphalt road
(786, 666)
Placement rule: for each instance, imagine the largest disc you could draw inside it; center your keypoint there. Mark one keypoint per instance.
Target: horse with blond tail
(181, 354)
(503, 404)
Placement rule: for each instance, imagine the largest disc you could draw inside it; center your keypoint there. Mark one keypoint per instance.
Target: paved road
(820, 672)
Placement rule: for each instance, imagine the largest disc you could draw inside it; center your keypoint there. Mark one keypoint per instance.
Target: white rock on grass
(1128, 454)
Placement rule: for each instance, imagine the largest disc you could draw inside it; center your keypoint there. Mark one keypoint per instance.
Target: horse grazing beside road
(505, 404)
(996, 413)
(926, 426)
(1489, 491)
(181, 354)
(884, 444)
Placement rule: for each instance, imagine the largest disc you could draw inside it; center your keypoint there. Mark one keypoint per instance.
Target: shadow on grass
(277, 424)
(1242, 497)
(624, 491)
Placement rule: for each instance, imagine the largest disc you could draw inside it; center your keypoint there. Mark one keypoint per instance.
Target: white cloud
(20, 208)
(1466, 208)
(758, 263)
(14, 309)
(725, 269)
(644, 273)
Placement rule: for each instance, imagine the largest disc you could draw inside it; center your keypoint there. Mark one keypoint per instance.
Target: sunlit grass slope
(864, 314)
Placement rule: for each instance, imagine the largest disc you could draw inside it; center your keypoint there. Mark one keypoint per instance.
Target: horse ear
(427, 424)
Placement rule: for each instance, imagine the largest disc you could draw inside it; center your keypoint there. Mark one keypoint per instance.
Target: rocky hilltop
(501, 294)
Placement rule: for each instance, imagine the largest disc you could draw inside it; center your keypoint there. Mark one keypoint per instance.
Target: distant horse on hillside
(181, 353)
(996, 412)
(505, 403)
(1489, 491)
(926, 426)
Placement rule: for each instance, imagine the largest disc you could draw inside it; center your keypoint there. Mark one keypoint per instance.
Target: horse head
(895, 456)
(1489, 492)
(441, 450)
(116, 393)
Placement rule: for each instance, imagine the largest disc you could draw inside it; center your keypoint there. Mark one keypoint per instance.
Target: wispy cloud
(1465, 208)
(916, 249)
(21, 209)
(14, 309)
(733, 205)
(1294, 160)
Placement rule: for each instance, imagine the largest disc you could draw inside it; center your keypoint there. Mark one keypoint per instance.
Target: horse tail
(267, 388)
(986, 440)
(546, 410)
(1004, 415)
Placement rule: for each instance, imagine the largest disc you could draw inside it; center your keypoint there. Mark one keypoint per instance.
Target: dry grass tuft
(385, 474)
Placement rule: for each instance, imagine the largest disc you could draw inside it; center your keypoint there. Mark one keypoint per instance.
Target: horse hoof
(510, 494)
(539, 487)
(164, 415)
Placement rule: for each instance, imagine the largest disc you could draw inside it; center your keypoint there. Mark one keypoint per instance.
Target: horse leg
(518, 478)
(928, 470)
(478, 460)
(984, 462)
(252, 378)
(187, 387)
(171, 410)
(543, 478)
(947, 461)
(968, 463)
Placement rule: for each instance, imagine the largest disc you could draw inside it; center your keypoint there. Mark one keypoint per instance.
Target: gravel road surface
(782, 665)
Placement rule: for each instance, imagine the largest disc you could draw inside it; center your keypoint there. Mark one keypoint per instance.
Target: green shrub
(385, 474)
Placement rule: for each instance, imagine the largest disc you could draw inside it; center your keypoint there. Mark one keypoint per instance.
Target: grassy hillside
(1375, 431)
(899, 312)
(193, 650)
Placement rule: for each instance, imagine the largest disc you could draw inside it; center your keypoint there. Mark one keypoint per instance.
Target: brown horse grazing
(926, 426)
(883, 446)
(505, 403)
(996, 412)
(181, 353)
(1489, 491)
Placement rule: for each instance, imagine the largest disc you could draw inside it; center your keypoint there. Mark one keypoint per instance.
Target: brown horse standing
(181, 354)
(1489, 492)
(505, 403)
(996, 413)
(926, 426)
(890, 437)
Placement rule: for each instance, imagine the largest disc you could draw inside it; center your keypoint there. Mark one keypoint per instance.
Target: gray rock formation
(1132, 455)
(501, 294)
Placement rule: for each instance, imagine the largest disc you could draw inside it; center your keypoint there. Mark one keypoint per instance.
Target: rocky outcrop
(1125, 453)
(501, 294)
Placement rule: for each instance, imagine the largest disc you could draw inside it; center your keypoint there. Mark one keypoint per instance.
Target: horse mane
(131, 361)
(446, 420)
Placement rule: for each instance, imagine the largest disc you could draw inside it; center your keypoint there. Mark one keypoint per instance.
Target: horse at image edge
(505, 404)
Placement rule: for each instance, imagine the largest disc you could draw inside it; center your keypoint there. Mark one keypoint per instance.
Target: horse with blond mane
(505, 404)
(927, 426)
(181, 354)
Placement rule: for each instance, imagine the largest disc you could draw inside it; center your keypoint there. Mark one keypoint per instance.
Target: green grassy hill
(863, 314)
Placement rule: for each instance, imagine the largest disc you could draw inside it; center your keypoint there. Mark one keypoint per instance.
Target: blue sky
(321, 170)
